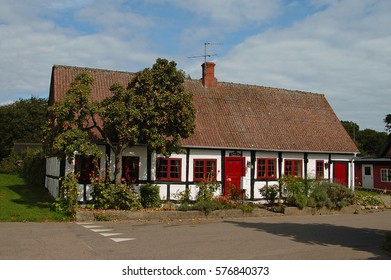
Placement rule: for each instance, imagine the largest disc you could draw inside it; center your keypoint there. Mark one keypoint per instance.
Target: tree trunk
(118, 164)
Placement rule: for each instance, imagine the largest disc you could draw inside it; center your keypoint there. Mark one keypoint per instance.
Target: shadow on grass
(360, 239)
(32, 197)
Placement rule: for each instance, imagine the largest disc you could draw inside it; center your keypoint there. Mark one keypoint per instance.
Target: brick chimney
(208, 74)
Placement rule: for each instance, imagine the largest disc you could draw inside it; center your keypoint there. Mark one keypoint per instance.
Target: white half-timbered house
(245, 135)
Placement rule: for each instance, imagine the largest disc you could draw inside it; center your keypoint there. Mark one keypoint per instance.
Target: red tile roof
(237, 116)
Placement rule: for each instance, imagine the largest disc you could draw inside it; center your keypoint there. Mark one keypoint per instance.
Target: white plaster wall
(53, 186)
(53, 169)
(53, 166)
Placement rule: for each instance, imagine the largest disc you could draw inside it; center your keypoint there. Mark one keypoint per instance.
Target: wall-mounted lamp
(249, 165)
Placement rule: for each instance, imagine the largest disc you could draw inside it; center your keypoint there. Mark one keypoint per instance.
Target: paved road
(277, 238)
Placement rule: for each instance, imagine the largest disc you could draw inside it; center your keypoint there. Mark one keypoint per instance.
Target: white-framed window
(385, 175)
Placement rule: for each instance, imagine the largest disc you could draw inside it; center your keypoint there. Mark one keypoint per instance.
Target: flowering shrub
(234, 192)
(269, 193)
(226, 202)
(66, 203)
(206, 190)
(110, 196)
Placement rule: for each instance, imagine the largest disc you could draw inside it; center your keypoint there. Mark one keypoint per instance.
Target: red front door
(340, 171)
(233, 171)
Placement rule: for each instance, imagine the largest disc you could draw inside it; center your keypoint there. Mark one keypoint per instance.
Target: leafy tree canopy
(387, 121)
(21, 122)
(369, 141)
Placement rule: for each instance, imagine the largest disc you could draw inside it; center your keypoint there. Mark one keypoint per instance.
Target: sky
(339, 48)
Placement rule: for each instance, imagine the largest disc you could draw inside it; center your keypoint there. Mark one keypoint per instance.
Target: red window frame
(266, 168)
(130, 169)
(293, 167)
(204, 169)
(319, 169)
(85, 168)
(169, 169)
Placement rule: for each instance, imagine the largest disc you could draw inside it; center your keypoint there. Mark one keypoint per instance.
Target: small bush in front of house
(184, 197)
(126, 199)
(269, 193)
(247, 207)
(234, 192)
(340, 196)
(319, 194)
(226, 202)
(296, 190)
(109, 196)
(310, 193)
(150, 196)
(207, 206)
(67, 202)
(102, 193)
(185, 207)
(206, 190)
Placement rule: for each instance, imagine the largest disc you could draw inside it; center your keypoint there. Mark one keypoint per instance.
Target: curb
(117, 215)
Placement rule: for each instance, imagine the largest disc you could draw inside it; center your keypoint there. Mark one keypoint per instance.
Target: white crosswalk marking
(101, 229)
(104, 231)
(110, 234)
(122, 239)
(92, 226)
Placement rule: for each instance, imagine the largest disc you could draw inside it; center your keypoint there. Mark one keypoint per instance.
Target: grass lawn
(21, 203)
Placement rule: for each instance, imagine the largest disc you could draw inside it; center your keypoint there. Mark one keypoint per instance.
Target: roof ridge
(91, 69)
(192, 80)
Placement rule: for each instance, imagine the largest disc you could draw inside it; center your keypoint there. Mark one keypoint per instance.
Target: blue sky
(340, 48)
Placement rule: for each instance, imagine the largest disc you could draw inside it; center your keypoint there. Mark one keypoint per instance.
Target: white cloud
(112, 15)
(31, 43)
(341, 52)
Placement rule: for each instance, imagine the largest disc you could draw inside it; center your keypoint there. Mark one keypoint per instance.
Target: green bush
(126, 199)
(340, 196)
(269, 193)
(103, 194)
(110, 196)
(33, 168)
(9, 165)
(302, 193)
(364, 197)
(206, 190)
(150, 196)
(184, 197)
(206, 206)
(247, 208)
(30, 165)
(296, 190)
(184, 207)
(67, 202)
(320, 196)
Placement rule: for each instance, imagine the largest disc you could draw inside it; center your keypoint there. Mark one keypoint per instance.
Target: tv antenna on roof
(206, 54)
